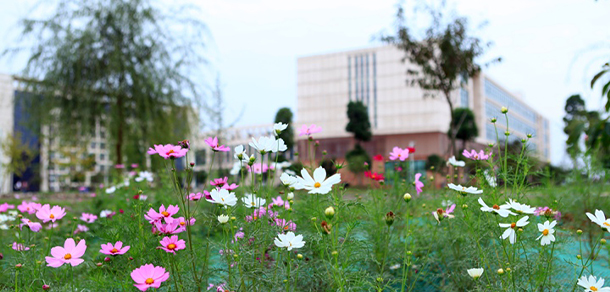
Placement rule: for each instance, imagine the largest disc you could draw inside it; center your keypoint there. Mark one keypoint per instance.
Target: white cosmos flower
(455, 162)
(110, 190)
(290, 181)
(106, 213)
(491, 180)
(279, 145)
(465, 190)
(521, 208)
(289, 240)
(240, 152)
(591, 284)
(235, 169)
(223, 219)
(282, 165)
(290, 196)
(278, 128)
(263, 145)
(600, 219)
(144, 175)
(475, 273)
(251, 201)
(510, 229)
(222, 197)
(318, 184)
(547, 232)
(502, 210)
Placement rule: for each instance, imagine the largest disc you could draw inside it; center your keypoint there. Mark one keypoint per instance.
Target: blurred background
(87, 86)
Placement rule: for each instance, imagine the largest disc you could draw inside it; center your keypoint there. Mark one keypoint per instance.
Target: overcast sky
(550, 48)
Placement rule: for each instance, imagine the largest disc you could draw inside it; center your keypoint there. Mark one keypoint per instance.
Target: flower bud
(233, 218)
(389, 218)
(335, 253)
(523, 141)
(380, 279)
(578, 256)
(504, 110)
(423, 205)
(46, 287)
(490, 145)
(235, 256)
(407, 197)
(494, 120)
(529, 136)
(99, 264)
(299, 256)
(314, 219)
(507, 133)
(520, 229)
(324, 152)
(603, 241)
(579, 232)
(1, 256)
(465, 206)
(500, 271)
(329, 212)
(409, 252)
(130, 258)
(18, 266)
(508, 270)
(39, 262)
(326, 227)
(290, 196)
(106, 259)
(192, 164)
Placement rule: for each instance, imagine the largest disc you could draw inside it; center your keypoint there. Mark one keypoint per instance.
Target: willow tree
(445, 56)
(126, 64)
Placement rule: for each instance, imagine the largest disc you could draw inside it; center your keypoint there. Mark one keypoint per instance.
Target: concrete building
(400, 114)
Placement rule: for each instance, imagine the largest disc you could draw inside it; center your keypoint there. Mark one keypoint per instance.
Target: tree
(575, 123)
(464, 121)
(359, 123)
(20, 155)
(284, 115)
(446, 54)
(115, 62)
(606, 86)
(356, 159)
(435, 163)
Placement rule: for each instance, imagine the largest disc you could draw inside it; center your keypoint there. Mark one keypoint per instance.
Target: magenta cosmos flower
(182, 222)
(115, 249)
(399, 154)
(148, 276)
(305, 130)
(70, 253)
(418, 184)
(5, 207)
(34, 226)
(195, 196)
(168, 151)
(169, 228)
(213, 142)
(46, 213)
(476, 156)
(28, 207)
(219, 182)
(19, 247)
(89, 218)
(152, 216)
(171, 244)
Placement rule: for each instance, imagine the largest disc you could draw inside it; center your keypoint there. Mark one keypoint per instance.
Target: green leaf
(597, 77)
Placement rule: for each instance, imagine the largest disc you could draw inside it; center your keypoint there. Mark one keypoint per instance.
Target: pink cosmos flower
(81, 228)
(168, 228)
(258, 168)
(70, 253)
(305, 130)
(399, 153)
(152, 216)
(238, 235)
(418, 184)
(28, 207)
(171, 244)
(285, 225)
(134, 165)
(476, 156)
(46, 213)
(148, 276)
(182, 223)
(280, 203)
(258, 213)
(168, 151)
(5, 207)
(115, 249)
(34, 226)
(219, 182)
(20, 247)
(230, 187)
(195, 196)
(119, 166)
(213, 142)
(89, 218)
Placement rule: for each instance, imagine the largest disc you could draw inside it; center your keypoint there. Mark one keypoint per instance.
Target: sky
(550, 49)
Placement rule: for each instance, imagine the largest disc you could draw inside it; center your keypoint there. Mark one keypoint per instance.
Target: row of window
(508, 101)
(359, 81)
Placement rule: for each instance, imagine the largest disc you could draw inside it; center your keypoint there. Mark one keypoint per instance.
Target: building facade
(402, 115)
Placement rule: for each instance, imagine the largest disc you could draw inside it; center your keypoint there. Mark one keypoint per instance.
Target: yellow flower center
(463, 188)
(170, 152)
(67, 256)
(398, 154)
(164, 213)
(149, 281)
(182, 223)
(52, 216)
(317, 185)
(114, 250)
(545, 232)
(171, 246)
(223, 199)
(593, 288)
(253, 204)
(513, 225)
(476, 157)
(606, 224)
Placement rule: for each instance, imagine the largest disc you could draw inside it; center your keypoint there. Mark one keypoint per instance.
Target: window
(464, 97)
(102, 145)
(200, 157)
(102, 156)
(92, 145)
(349, 77)
(503, 98)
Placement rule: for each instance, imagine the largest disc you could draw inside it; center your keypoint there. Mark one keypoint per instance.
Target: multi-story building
(400, 114)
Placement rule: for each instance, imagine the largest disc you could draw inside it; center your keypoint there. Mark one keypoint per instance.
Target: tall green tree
(126, 64)
(445, 56)
(359, 123)
(463, 120)
(284, 115)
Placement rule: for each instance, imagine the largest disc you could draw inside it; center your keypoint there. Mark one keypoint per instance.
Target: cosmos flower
(455, 162)
(5, 207)
(441, 214)
(476, 156)
(168, 151)
(418, 184)
(502, 210)
(154, 216)
(213, 142)
(251, 201)
(309, 130)
(510, 229)
(223, 219)
(222, 197)
(592, 284)
(20, 247)
(46, 213)
(278, 128)
(80, 228)
(34, 226)
(475, 273)
(144, 175)
(399, 154)
(114, 249)
(319, 184)
(89, 218)
(107, 214)
(172, 244)
(600, 219)
(28, 207)
(289, 241)
(465, 190)
(546, 230)
(70, 253)
(290, 181)
(521, 208)
(148, 276)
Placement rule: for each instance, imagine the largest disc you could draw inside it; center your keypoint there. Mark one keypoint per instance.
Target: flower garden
(269, 228)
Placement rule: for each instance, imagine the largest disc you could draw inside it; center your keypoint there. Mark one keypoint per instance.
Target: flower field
(269, 228)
